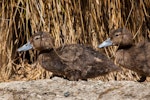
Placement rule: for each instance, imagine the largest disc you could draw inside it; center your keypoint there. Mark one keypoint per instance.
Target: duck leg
(142, 79)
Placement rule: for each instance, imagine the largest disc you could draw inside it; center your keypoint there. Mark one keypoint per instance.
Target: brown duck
(134, 57)
(72, 61)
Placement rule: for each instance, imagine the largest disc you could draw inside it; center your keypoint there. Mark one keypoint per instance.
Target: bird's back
(89, 62)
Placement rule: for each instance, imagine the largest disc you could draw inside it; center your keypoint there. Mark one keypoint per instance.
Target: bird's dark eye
(36, 38)
(116, 35)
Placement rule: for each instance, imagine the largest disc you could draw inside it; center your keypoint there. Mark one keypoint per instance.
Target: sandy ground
(61, 89)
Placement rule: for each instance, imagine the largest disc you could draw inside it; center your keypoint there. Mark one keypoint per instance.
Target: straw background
(68, 21)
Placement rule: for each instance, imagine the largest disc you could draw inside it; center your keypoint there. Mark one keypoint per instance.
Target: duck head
(118, 37)
(39, 41)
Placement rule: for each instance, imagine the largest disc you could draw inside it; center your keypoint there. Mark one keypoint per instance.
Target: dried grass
(68, 21)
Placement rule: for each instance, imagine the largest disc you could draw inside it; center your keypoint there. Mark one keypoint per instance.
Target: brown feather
(73, 61)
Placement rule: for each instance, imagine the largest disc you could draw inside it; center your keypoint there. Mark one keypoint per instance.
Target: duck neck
(45, 51)
(125, 47)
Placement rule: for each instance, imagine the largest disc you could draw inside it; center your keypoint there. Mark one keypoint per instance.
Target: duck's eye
(36, 38)
(116, 35)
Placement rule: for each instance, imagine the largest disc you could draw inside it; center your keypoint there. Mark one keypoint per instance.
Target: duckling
(131, 56)
(74, 61)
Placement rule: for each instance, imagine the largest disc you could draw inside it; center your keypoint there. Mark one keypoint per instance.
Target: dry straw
(68, 21)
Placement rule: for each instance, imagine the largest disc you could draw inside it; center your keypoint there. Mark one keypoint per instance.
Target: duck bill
(106, 43)
(25, 47)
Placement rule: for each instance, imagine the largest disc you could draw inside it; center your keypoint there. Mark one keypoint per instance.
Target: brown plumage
(134, 57)
(72, 61)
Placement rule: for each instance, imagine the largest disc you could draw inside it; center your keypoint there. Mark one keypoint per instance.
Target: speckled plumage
(134, 57)
(74, 61)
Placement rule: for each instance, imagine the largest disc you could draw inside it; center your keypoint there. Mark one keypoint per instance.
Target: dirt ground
(61, 89)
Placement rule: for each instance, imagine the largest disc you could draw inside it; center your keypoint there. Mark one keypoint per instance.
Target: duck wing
(97, 64)
(85, 61)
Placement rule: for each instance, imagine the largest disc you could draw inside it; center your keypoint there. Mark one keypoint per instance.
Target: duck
(72, 61)
(135, 57)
